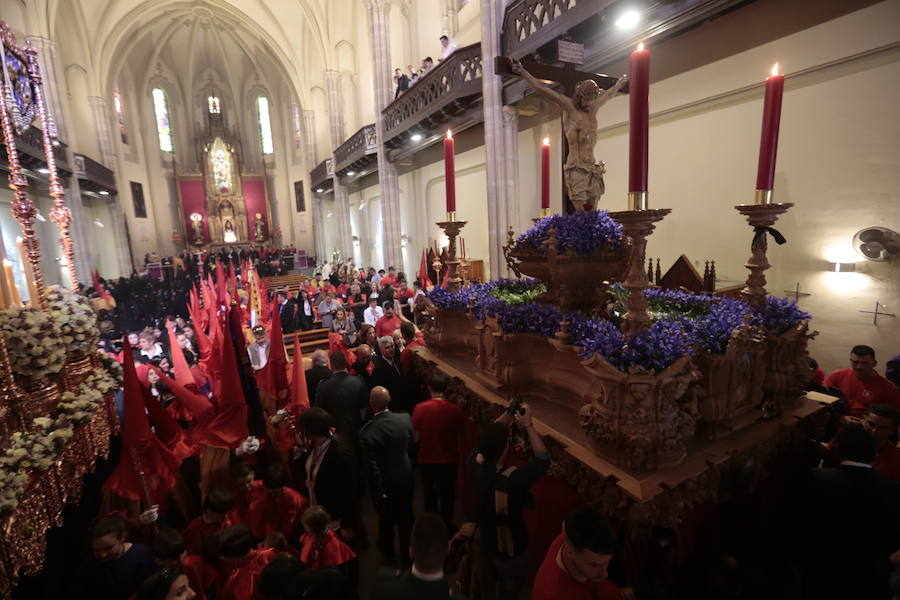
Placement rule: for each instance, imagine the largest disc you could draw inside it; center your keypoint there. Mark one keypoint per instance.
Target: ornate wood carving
(321, 177)
(529, 24)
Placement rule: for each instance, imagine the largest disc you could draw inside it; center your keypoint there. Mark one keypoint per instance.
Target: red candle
(768, 144)
(639, 118)
(450, 171)
(545, 174)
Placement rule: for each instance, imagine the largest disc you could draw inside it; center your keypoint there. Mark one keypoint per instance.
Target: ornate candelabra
(760, 216)
(60, 213)
(637, 225)
(451, 228)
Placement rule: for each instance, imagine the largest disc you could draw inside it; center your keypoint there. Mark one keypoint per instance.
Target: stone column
(309, 127)
(120, 233)
(379, 21)
(500, 148)
(104, 134)
(511, 167)
(341, 196)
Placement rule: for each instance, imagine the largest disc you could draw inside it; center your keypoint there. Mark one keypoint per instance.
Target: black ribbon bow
(762, 231)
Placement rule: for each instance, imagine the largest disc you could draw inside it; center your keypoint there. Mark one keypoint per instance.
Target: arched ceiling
(275, 41)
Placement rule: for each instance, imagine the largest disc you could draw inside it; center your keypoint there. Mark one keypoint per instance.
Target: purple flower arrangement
(584, 231)
(685, 323)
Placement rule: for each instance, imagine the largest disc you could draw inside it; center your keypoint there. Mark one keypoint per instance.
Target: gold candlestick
(759, 215)
(452, 229)
(637, 225)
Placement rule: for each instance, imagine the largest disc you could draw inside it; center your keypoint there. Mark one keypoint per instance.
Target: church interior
(495, 275)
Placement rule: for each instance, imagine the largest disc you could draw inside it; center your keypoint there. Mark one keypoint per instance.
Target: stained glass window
(222, 166)
(163, 124)
(120, 114)
(298, 126)
(214, 107)
(265, 125)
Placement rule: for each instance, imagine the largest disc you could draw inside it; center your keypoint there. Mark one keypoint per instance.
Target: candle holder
(464, 270)
(637, 225)
(451, 230)
(759, 216)
(22, 207)
(60, 214)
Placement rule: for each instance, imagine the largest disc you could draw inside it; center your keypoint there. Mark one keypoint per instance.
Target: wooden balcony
(357, 156)
(94, 177)
(528, 25)
(321, 179)
(30, 146)
(447, 97)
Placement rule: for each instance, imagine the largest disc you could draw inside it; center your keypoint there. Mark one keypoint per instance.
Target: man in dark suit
(386, 441)
(344, 396)
(327, 472)
(318, 373)
(387, 374)
(287, 312)
(848, 524)
(426, 578)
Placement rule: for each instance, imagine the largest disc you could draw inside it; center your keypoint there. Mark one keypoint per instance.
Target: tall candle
(545, 174)
(450, 171)
(639, 118)
(28, 271)
(768, 144)
(15, 298)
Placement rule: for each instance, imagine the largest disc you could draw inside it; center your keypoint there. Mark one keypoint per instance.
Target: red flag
(229, 426)
(179, 362)
(423, 274)
(299, 393)
(147, 468)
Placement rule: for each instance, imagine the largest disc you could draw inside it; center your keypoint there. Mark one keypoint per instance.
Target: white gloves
(149, 516)
(248, 446)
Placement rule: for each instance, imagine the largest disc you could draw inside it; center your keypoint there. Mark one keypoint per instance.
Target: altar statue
(197, 229)
(230, 236)
(583, 175)
(259, 233)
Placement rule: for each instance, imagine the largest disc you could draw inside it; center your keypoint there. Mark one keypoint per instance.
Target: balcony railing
(358, 153)
(530, 24)
(92, 175)
(31, 152)
(436, 99)
(321, 178)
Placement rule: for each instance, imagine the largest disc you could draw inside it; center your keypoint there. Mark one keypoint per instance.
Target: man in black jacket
(386, 442)
(848, 524)
(327, 472)
(344, 396)
(318, 373)
(387, 374)
(426, 578)
(287, 312)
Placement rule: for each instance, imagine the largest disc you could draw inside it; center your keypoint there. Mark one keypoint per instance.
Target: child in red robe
(170, 551)
(243, 562)
(244, 491)
(278, 508)
(320, 547)
(216, 506)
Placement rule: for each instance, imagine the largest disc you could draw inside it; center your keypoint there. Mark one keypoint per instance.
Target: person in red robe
(243, 562)
(170, 552)
(320, 547)
(279, 508)
(576, 563)
(216, 506)
(245, 489)
(861, 385)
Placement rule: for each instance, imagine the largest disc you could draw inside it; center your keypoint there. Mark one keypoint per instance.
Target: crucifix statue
(583, 175)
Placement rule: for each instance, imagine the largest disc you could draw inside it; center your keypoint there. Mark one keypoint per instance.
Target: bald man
(386, 443)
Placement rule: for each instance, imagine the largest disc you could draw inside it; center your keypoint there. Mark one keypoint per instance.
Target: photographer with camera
(502, 493)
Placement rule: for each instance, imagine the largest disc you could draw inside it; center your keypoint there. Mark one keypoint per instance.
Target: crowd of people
(404, 80)
(324, 473)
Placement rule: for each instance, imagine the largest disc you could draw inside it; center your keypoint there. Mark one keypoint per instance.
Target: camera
(515, 407)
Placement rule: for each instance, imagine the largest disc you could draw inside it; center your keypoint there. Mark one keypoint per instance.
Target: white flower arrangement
(76, 317)
(32, 342)
(38, 450)
(112, 369)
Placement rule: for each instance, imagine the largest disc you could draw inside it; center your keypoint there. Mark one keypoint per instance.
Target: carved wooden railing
(31, 152)
(321, 176)
(439, 91)
(359, 149)
(93, 175)
(529, 24)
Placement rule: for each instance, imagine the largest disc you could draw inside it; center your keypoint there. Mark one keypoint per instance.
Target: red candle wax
(450, 171)
(768, 143)
(545, 174)
(639, 118)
